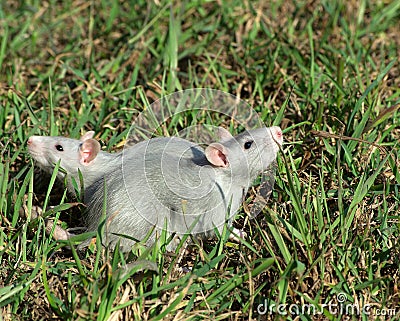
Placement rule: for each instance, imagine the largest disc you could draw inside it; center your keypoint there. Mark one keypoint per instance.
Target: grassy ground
(327, 71)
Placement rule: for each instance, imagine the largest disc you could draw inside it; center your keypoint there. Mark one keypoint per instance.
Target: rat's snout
(277, 134)
(34, 145)
(30, 140)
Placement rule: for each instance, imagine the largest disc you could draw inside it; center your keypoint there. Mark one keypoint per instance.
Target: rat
(164, 182)
(83, 155)
(172, 183)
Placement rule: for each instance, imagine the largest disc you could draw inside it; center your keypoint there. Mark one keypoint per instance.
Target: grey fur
(171, 181)
(165, 181)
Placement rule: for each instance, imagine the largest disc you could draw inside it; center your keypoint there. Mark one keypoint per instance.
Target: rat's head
(73, 153)
(248, 154)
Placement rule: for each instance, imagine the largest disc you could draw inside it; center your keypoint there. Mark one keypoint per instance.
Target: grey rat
(163, 182)
(171, 182)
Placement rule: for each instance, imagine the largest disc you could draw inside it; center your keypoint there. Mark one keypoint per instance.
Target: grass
(326, 71)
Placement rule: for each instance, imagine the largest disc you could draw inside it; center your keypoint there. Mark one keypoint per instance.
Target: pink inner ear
(87, 156)
(89, 150)
(216, 157)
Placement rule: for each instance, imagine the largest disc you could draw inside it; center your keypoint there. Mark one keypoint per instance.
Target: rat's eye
(248, 144)
(59, 148)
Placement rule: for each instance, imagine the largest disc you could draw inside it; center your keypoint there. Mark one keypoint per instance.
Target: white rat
(165, 182)
(82, 155)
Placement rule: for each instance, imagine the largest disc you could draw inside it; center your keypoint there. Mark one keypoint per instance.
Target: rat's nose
(277, 134)
(32, 141)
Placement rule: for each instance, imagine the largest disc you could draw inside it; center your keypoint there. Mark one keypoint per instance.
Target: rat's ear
(88, 135)
(224, 134)
(216, 154)
(88, 151)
